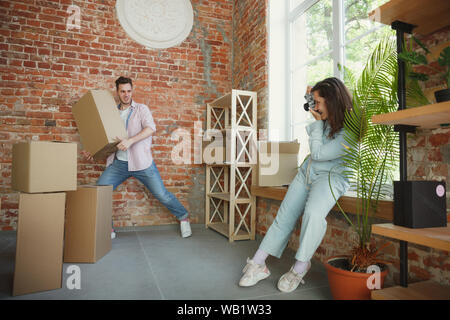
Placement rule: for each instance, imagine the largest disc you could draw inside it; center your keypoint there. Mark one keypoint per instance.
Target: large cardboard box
(43, 166)
(88, 224)
(39, 246)
(99, 123)
(277, 163)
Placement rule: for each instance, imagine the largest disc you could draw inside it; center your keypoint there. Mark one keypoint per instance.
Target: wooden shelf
(426, 290)
(226, 196)
(427, 117)
(385, 208)
(438, 238)
(223, 228)
(427, 15)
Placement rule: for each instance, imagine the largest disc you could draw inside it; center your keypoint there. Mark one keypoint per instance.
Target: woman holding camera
(309, 193)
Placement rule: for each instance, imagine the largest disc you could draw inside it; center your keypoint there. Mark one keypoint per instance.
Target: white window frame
(337, 52)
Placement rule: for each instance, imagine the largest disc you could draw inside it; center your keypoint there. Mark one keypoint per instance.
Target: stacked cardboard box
(88, 224)
(59, 221)
(41, 172)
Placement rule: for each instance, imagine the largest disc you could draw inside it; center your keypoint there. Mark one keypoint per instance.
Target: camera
(310, 103)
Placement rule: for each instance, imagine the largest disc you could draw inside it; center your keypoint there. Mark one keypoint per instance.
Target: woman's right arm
(324, 151)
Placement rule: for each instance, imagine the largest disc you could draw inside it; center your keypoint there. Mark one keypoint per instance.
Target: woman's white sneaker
(253, 273)
(290, 280)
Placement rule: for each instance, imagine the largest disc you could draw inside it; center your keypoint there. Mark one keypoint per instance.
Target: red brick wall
(46, 69)
(250, 55)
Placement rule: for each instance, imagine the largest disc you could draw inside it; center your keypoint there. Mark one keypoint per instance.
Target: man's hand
(87, 155)
(124, 144)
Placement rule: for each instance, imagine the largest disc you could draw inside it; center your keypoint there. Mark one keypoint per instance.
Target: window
(322, 34)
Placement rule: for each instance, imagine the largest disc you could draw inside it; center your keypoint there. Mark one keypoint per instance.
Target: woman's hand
(315, 114)
(308, 89)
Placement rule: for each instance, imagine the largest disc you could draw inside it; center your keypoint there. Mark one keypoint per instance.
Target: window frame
(337, 53)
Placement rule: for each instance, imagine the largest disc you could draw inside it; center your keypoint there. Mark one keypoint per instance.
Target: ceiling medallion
(156, 24)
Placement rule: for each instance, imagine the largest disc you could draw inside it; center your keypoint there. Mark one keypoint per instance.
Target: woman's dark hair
(123, 80)
(338, 100)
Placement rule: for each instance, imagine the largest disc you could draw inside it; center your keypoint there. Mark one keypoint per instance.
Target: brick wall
(250, 60)
(46, 69)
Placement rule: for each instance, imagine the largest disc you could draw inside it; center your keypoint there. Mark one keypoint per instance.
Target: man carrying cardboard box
(134, 156)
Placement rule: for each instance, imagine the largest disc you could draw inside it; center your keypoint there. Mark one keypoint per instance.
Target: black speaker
(420, 204)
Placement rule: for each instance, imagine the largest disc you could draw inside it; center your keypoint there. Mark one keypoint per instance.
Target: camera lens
(306, 106)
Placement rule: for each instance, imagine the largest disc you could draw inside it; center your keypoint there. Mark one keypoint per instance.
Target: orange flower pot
(346, 285)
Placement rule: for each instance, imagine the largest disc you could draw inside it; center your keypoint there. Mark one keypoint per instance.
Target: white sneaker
(253, 273)
(113, 234)
(185, 227)
(290, 280)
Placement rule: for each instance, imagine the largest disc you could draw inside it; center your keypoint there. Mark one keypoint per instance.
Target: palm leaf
(371, 155)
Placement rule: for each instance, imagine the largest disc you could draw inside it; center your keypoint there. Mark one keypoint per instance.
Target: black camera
(310, 103)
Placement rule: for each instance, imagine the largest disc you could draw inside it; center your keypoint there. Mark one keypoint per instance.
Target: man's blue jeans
(118, 172)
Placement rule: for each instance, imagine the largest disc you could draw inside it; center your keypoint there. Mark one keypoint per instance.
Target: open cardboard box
(277, 163)
(99, 123)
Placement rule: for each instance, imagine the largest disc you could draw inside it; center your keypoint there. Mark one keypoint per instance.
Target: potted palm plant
(370, 162)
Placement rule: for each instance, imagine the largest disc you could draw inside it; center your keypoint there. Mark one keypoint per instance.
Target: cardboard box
(99, 123)
(88, 224)
(277, 163)
(42, 166)
(39, 246)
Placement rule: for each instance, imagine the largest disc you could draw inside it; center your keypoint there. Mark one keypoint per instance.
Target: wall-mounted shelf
(425, 290)
(438, 238)
(427, 117)
(427, 15)
(423, 17)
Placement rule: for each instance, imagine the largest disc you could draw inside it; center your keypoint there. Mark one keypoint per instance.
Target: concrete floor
(156, 263)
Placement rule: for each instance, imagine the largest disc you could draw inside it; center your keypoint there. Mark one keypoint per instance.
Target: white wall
(278, 59)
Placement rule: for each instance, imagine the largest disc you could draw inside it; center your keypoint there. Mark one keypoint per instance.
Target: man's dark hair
(123, 80)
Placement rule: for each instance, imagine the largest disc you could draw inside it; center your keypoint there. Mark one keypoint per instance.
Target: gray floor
(156, 263)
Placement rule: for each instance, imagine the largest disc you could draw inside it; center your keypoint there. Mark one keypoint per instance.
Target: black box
(420, 204)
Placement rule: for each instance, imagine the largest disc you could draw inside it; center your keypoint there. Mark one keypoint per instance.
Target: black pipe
(401, 28)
